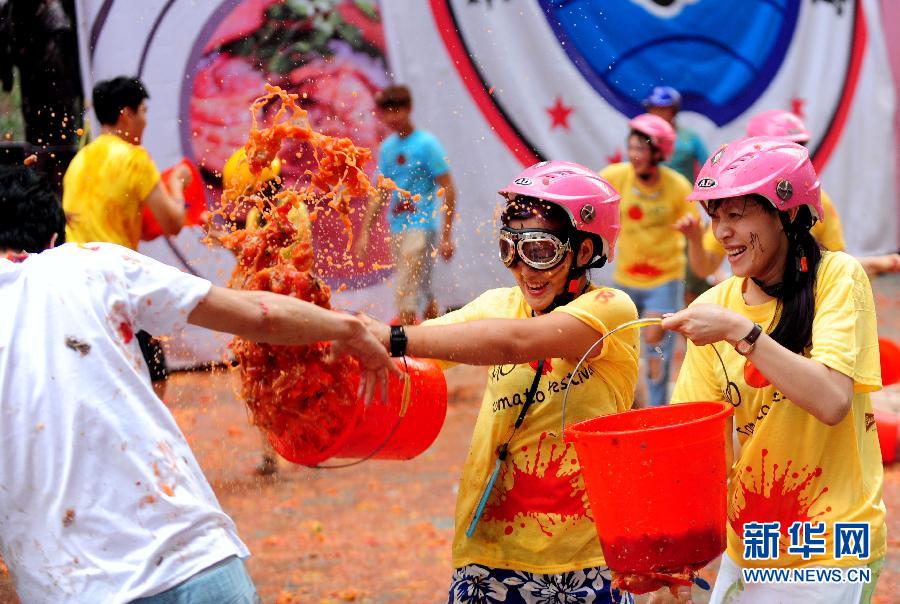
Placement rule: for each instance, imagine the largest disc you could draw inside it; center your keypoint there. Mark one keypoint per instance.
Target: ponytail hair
(798, 285)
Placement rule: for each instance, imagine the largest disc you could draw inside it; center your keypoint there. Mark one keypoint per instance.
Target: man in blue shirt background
(690, 154)
(416, 162)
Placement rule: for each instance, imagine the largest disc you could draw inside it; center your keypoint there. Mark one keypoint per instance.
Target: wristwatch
(746, 345)
(398, 341)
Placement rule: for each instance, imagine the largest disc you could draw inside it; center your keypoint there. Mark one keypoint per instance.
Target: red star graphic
(615, 158)
(559, 114)
(797, 107)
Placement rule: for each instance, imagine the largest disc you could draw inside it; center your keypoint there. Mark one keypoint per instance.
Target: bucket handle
(404, 406)
(636, 323)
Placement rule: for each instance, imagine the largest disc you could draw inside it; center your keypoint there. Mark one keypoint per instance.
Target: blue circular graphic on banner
(721, 56)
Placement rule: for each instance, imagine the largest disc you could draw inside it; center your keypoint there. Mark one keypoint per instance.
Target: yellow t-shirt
(104, 189)
(829, 232)
(650, 251)
(791, 466)
(537, 518)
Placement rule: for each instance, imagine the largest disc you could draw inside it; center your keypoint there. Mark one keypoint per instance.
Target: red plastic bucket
(400, 428)
(194, 201)
(890, 361)
(656, 483)
(887, 425)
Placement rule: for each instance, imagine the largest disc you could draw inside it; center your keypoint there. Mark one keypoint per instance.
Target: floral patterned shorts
(476, 584)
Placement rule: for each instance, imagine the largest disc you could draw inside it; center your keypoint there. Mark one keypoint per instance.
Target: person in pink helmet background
(528, 530)
(687, 159)
(794, 348)
(650, 263)
(705, 254)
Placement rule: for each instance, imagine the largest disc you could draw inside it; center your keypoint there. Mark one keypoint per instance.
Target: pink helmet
(659, 131)
(780, 123)
(591, 203)
(774, 168)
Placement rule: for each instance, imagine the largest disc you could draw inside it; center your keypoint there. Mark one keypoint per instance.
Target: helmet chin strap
(572, 291)
(573, 287)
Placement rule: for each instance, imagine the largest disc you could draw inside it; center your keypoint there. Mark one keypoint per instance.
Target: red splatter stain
(69, 518)
(635, 213)
(265, 309)
(604, 296)
(645, 269)
(548, 367)
(777, 501)
(615, 158)
(126, 332)
(401, 159)
(17, 257)
(538, 491)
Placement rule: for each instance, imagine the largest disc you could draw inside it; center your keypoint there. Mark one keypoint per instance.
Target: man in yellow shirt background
(110, 181)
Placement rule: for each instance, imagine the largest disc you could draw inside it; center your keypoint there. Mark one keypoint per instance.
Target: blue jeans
(225, 582)
(664, 298)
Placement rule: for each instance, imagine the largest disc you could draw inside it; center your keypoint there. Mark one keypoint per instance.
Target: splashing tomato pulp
(299, 395)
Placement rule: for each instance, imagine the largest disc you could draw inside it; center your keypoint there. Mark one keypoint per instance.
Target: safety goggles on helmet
(540, 249)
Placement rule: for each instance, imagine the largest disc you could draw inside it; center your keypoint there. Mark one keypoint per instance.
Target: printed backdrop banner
(502, 83)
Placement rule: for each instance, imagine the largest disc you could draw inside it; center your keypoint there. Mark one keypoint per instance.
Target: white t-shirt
(101, 499)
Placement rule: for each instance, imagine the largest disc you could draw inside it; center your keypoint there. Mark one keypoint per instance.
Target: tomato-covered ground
(380, 532)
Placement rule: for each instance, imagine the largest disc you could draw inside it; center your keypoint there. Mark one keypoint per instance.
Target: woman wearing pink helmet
(796, 353)
(527, 529)
(705, 254)
(651, 263)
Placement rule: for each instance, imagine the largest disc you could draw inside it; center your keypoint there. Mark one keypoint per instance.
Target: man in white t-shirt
(101, 499)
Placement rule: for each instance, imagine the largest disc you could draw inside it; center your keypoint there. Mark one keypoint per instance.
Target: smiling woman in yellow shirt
(523, 525)
(705, 254)
(795, 350)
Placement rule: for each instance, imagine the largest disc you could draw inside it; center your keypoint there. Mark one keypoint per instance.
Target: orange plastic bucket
(656, 483)
(400, 428)
(890, 361)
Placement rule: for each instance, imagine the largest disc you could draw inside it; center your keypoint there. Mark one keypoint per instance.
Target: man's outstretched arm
(275, 319)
